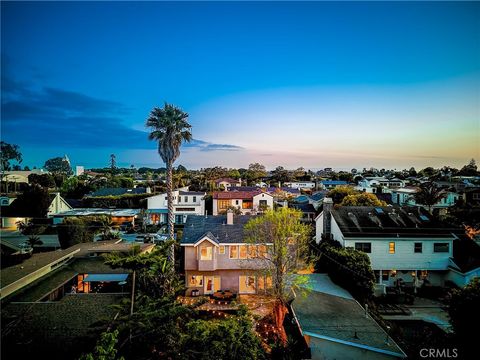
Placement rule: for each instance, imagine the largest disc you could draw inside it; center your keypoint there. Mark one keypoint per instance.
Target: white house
(370, 184)
(306, 185)
(248, 202)
(402, 243)
(405, 197)
(227, 183)
(184, 203)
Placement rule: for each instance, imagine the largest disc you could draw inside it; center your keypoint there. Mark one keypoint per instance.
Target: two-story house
(184, 203)
(225, 183)
(248, 202)
(406, 197)
(217, 258)
(402, 243)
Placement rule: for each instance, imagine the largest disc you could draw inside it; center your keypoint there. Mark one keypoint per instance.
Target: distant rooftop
(98, 211)
(117, 191)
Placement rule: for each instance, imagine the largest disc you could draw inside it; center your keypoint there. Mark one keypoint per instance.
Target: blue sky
(313, 84)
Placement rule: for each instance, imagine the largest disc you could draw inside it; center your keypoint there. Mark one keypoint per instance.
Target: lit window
(223, 204)
(247, 284)
(206, 253)
(221, 249)
(391, 248)
(252, 251)
(243, 251)
(262, 251)
(233, 252)
(196, 280)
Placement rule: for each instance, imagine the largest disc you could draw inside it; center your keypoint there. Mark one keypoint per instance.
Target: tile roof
(389, 221)
(236, 194)
(191, 193)
(198, 226)
(229, 180)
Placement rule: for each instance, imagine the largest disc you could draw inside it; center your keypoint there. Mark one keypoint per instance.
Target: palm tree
(429, 194)
(170, 128)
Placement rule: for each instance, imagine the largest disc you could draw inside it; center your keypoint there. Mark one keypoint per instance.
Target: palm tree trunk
(171, 217)
(133, 292)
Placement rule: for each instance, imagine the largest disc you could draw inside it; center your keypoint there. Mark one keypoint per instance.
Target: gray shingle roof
(198, 226)
(388, 221)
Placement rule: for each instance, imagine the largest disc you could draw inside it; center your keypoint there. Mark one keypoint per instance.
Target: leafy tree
(182, 169)
(170, 128)
(255, 172)
(8, 153)
(338, 193)
(44, 180)
(470, 169)
(228, 339)
(464, 311)
(74, 230)
(363, 199)
(299, 173)
(428, 172)
(347, 267)
(285, 239)
(429, 194)
(281, 175)
(234, 174)
(106, 348)
(33, 202)
(58, 166)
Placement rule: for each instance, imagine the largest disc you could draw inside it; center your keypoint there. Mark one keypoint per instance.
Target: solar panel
(424, 218)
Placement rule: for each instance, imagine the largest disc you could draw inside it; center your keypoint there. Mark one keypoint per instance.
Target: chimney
(327, 217)
(229, 217)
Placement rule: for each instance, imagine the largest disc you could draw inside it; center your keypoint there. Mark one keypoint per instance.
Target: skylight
(379, 210)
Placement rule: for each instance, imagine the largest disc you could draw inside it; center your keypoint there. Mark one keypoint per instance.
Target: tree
(234, 174)
(429, 194)
(9, 152)
(34, 240)
(33, 202)
(74, 230)
(255, 172)
(44, 180)
(470, 169)
(170, 128)
(60, 168)
(464, 311)
(282, 249)
(363, 199)
(347, 267)
(106, 348)
(281, 175)
(338, 193)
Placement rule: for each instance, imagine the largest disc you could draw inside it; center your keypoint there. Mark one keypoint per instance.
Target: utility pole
(113, 163)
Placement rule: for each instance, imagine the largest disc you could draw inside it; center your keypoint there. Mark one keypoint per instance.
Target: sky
(304, 84)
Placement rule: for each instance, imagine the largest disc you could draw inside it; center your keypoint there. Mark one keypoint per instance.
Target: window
(221, 249)
(441, 247)
(385, 275)
(243, 251)
(247, 204)
(262, 251)
(206, 253)
(179, 199)
(236, 202)
(247, 284)
(233, 252)
(391, 248)
(186, 198)
(196, 280)
(418, 247)
(178, 219)
(365, 247)
(252, 251)
(194, 199)
(223, 204)
(262, 203)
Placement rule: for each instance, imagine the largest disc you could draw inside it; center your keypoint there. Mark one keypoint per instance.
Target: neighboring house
(335, 326)
(283, 192)
(406, 197)
(226, 183)
(472, 196)
(118, 191)
(21, 176)
(13, 213)
(306, 185)
(402, 243)
(308, 212)
(316, 199)
(466, 262)
(184, 203)
(248, 202)
(379, 184)
(331, 184)
(118, 216)
(216, 257)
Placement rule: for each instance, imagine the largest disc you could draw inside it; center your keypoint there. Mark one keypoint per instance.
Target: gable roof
(389, 221)
(198, 226)
(116, 191)
(244, 195)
